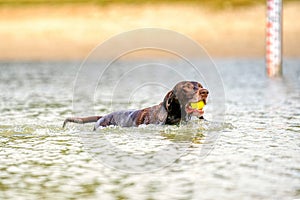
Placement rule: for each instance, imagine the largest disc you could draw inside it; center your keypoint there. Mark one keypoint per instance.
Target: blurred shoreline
(70, 32)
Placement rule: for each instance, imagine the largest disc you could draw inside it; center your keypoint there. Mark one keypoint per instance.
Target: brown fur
(171, 111)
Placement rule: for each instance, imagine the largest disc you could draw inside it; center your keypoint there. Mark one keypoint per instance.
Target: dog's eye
(188, 87)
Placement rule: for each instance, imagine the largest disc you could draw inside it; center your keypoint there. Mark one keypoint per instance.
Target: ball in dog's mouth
(195, 108)
(198, 105)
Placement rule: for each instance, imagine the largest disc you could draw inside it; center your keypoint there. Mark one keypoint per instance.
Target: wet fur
(171, 111)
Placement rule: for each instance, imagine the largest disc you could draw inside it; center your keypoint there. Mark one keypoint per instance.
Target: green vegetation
(218, 4)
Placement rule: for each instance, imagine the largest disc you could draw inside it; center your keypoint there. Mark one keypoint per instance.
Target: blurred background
(255, 151)
(69, 29)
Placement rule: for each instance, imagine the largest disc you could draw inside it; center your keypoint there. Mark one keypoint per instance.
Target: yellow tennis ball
(199, 105)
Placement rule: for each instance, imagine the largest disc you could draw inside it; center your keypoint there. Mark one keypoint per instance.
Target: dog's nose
(203, 93)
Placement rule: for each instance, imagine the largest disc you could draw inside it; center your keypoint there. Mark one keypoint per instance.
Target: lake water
(254, 153)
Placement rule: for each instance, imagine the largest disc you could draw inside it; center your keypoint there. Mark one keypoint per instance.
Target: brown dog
(175, 107)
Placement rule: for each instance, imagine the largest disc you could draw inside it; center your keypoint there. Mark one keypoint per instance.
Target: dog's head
(178, 101)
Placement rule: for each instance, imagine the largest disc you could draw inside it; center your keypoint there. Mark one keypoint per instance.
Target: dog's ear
(168, 100)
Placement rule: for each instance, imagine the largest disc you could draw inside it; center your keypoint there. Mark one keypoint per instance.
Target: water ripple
(258, 145)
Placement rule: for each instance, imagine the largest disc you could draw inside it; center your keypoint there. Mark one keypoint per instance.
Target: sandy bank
(71, 32)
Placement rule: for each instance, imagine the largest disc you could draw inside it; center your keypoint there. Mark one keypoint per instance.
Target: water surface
(255, 154)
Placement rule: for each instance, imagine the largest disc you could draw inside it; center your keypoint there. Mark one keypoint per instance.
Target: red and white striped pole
(274, 38)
